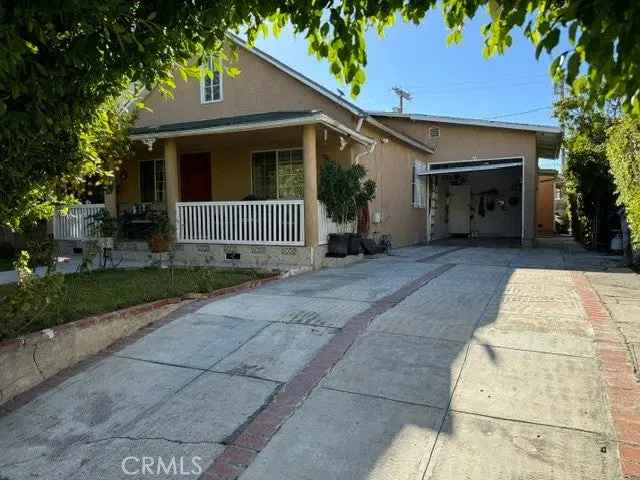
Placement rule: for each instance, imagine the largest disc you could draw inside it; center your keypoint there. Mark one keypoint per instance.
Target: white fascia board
(350, 132)
(471, 169)
(310, 120)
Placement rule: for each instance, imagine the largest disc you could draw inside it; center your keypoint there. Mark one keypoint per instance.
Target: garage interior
(479, 199)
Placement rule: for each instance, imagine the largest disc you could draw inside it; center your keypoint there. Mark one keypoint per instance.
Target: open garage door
(476, 199)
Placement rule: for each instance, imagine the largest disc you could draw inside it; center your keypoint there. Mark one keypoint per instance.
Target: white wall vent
(434, 132)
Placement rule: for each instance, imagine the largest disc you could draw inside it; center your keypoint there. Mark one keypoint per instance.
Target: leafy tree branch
(64, 65)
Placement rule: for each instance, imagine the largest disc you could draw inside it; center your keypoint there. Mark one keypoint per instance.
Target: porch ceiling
(243, 123)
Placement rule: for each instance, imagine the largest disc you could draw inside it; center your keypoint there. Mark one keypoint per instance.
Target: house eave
(418, 117)
(318, 118)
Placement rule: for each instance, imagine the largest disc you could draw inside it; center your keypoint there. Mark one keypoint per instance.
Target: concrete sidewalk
(435, 363)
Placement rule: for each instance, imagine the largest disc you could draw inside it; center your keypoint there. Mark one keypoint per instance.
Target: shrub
(623, 152)
(42, 253)
(35, 300)
(344, 191)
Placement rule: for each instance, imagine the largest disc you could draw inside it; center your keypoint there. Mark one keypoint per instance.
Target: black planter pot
(338, 245)
(354, 243)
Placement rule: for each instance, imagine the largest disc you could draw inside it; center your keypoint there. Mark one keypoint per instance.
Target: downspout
(356, 160)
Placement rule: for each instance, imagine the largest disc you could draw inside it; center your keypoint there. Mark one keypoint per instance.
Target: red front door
(195, 177)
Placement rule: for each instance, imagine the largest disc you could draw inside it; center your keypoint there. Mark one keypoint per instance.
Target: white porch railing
(271, 222)
(327, 226)
(75, 224)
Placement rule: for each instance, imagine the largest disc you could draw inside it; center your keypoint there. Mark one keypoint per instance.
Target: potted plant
(104, 228)
(161, 239)
(344, 192)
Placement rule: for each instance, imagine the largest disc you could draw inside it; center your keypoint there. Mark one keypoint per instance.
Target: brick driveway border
(254, 436)
(618, 375)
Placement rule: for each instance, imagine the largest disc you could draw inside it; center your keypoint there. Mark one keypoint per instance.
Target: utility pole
(402, 95)
(559, 94)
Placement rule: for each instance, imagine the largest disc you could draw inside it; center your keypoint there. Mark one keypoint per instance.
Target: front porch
(246, 196)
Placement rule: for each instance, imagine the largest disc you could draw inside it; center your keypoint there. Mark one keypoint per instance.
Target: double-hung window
(418, 185)
(211, 84)
(152, 181)
(278, 174)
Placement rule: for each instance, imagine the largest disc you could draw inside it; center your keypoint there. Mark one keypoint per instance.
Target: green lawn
(84, 294)
(6, 264)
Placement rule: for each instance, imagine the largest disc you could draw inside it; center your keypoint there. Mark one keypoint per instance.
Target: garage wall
(498, 222)
(391, 167)
(463, 142)
(440, 209)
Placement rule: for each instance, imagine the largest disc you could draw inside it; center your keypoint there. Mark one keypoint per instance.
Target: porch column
(111, 201)
(171, 174)
(310, 186)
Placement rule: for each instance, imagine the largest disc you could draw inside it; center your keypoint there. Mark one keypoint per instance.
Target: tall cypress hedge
(623, 153)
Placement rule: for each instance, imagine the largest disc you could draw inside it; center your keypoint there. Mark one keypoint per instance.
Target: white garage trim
(459, 166)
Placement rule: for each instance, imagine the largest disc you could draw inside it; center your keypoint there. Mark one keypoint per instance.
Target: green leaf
(572, 67)
(454, 37)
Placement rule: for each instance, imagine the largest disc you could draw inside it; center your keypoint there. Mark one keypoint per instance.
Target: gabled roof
(243, 123)
(548, 138)
(353, 108)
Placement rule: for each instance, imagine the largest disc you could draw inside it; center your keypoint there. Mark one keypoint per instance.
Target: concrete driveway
(434, 363)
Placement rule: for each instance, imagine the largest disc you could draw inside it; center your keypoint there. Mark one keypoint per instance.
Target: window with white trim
(152, 181)
(418, 184)
(211, 84)
(278, 174)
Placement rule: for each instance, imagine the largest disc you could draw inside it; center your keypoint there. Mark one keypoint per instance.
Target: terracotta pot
(159, 244)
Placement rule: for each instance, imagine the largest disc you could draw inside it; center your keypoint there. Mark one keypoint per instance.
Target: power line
(483, 82)
(515, 114)
(434, 92)
(484, 86)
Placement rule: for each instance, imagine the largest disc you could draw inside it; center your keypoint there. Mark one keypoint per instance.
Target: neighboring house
(545, 202)
(560, 203)
(219, 145)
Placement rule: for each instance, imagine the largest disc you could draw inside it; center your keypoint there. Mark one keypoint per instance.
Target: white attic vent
(434, 132)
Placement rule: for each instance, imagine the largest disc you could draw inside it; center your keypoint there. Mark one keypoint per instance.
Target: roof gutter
(417, 117)
(310, 120)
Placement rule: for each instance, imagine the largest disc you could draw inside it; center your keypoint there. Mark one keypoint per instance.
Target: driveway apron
(434, 363)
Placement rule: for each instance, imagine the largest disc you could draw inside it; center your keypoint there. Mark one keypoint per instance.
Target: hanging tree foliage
(62, 62)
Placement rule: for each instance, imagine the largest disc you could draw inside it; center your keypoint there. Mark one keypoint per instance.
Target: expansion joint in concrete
(256, 434)
(380, 397)
(142, 438)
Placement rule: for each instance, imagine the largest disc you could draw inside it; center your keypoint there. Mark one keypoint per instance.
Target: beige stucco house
(235, 162)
